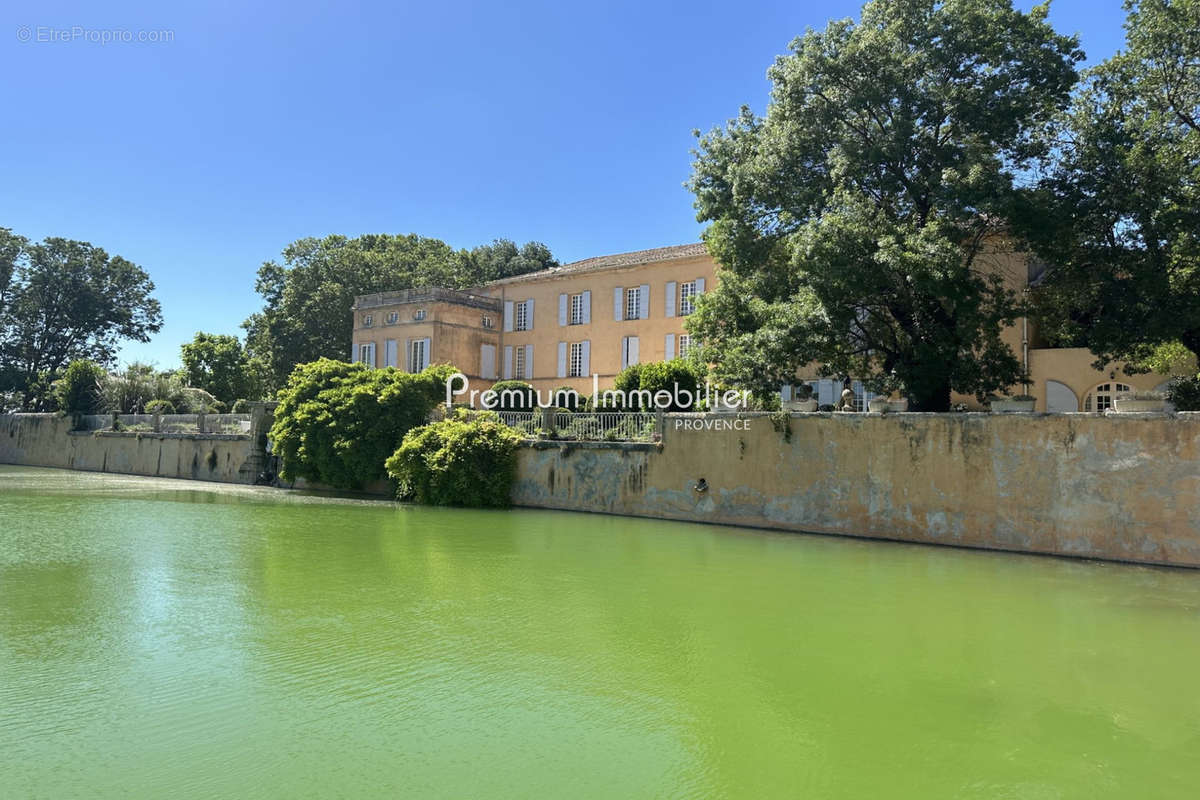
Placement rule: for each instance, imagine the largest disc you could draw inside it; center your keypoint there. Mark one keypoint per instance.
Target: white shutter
(633, 350)
(528, 362)
(427, 353)
(353, 352)
(529, 314)
(587, 358)
(785, 393)
(487, 361)
(562, 359)
(562, 310)
(391, 356)
(408, 355)
(507, 362)
(618, 303)
(670, 307)
(624, 352)
(669, 349)
(587, 306)
(508, 315)
(699, 286)
(644, 302)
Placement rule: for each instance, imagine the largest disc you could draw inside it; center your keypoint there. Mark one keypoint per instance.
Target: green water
(171, 639)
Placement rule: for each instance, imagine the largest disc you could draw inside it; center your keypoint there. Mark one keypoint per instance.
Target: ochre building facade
(562, 326)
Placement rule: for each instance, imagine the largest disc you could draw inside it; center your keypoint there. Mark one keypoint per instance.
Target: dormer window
(487, 322)
(368, 320)
(419, 314)
(393, 317)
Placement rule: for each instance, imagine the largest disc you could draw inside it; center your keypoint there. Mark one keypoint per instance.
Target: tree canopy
(62, 301)
(850, 220)
(1117, 214)
(307, 298)
(217, 364)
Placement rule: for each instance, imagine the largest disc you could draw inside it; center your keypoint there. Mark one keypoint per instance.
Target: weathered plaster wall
(45, 440)
(1123, 487)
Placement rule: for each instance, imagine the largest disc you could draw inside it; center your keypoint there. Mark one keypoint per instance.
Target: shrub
(337, 423)
(241, 406)
(160, 407)
(216, 407)
(627, 383)
(567, 399)
(667, 376)
(513, 396)
(1184, 393)
(78, 390)
(467, 459)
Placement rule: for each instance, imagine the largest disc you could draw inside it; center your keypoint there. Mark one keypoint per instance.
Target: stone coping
(220, 437)
(574, 444)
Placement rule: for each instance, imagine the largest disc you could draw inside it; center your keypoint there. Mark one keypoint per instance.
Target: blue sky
(201, 157)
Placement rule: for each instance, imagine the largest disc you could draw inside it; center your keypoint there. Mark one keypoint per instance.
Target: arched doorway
(1100, 398)
(1060, 398)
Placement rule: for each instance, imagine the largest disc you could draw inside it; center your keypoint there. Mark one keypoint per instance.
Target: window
(685, 345)
(419, 355)
(1100, 398)
(575, 364)
(519, 355)
(487, 322)
(633, 303)
(367, 320)
(366, 354)
(522, 312)
(419, 314)
(687, 298)
(576, 309)
(392, 318)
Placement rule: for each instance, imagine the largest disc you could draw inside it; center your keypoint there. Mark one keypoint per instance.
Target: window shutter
(634, 357)
(624, 352)
(670, 307)
(587, 307)
(699, 286)
(785, 393)
(508, 315)
(507, 362)
(562, 359)
(390, 356)
(529, 314)
(669, 349)
(644, 302)
(428, 352)
(562, 310)
(408, 355)
(618, 303)
(528, 362)
(487, 361)
(353, 352)
(587, 358)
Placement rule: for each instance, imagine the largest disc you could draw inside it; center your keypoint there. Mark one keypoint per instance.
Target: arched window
(1100, 398)
(1060, 398)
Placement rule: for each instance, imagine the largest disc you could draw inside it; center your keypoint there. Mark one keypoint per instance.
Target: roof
(636, 258)
(428, 294)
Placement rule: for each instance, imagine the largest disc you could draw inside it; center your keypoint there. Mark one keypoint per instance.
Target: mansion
(558, 327)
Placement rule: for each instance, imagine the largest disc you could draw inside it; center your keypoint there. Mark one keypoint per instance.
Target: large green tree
(61, 301)
(217, 364)
(850, 221)
(307, 298)
(1117, 217)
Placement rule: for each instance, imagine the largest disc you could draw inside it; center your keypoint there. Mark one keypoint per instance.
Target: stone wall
(1124, 487)
(46, 440)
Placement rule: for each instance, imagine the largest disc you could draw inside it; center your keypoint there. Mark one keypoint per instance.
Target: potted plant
(885, 386)
(1018, 403)
(1131, 402)
(804, 398)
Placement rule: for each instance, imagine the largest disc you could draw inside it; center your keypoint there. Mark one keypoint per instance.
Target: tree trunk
(933, 396)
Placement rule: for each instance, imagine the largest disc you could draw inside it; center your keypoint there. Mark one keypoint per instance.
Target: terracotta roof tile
(634, 259)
